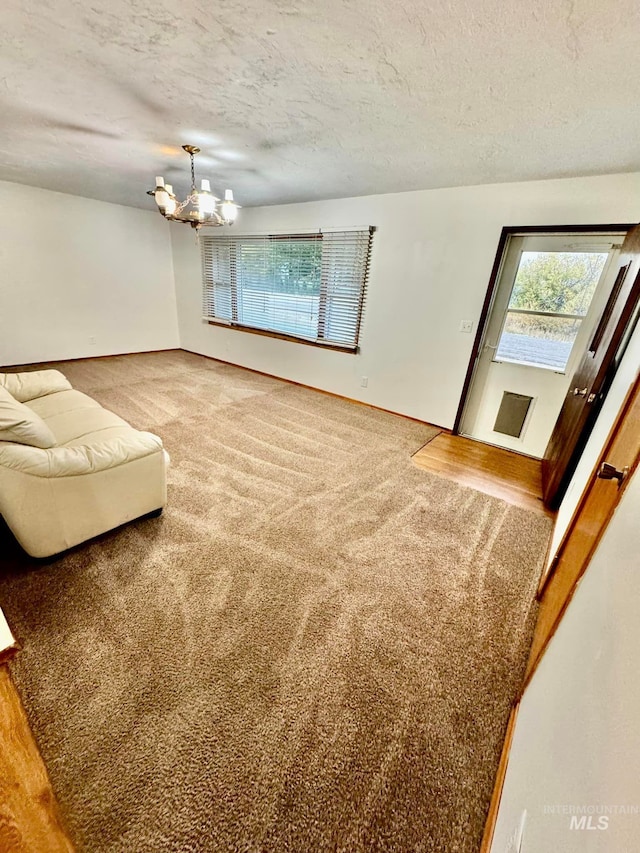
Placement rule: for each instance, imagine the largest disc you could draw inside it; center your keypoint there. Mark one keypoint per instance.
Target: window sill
(284, 337)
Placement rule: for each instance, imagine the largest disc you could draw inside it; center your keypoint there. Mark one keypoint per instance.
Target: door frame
(507, 232)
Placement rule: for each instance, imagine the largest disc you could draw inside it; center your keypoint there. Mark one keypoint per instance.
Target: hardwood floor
(492, 470)
(29, 821)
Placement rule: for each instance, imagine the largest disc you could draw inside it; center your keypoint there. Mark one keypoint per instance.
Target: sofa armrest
(35, 383)
(79, 460)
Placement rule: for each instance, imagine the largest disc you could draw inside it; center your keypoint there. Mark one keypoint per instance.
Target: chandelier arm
(181, 207)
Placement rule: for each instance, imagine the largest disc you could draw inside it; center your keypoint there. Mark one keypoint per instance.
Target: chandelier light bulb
(161, 196)
(206, 202)
(229, 207)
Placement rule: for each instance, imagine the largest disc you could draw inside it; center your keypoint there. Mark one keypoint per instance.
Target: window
(308, 287)
(551, 296)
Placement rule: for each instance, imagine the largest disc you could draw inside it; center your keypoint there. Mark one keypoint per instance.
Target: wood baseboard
(492, 817)
(314, 388)
(12, 367)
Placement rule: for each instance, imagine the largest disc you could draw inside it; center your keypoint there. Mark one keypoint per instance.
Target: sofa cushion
(85, 424)
(34, 383)
(61, 402)
(19, 423)
(101, 435)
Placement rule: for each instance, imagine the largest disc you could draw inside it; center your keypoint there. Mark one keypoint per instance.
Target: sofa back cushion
(28, 385)
(21, 425)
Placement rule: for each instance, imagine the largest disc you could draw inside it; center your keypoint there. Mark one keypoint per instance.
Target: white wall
(431, 262)
(576, 740)
(72, 269)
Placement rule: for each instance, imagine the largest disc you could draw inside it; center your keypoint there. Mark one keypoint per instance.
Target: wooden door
(591, 381)
(622, 455)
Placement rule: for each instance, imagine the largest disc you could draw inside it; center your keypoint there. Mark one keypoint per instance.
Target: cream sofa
(70, 469)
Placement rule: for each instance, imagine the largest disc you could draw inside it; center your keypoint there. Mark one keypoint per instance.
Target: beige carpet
(314, 649)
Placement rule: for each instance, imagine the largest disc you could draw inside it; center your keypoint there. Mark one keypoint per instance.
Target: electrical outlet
(92, 340)
(364, 381)
(466, 326)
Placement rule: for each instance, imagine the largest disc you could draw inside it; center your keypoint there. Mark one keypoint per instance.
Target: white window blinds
(306, 286)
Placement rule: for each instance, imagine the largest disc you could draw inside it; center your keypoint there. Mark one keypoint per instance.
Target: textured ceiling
(293, 100)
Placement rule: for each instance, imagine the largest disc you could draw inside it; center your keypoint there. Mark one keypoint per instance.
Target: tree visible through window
(307, 286)
(551, 296)
(278, 284)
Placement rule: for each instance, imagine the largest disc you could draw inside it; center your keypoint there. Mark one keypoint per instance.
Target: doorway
(549, 289)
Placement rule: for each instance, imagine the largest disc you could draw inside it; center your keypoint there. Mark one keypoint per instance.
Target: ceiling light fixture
(200, 207)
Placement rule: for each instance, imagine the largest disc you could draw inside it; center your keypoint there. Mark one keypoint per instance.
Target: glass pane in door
(551, 294)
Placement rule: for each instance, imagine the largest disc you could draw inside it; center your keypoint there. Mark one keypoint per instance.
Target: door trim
(507, 232)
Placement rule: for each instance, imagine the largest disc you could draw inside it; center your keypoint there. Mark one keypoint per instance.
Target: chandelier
(200, 207)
